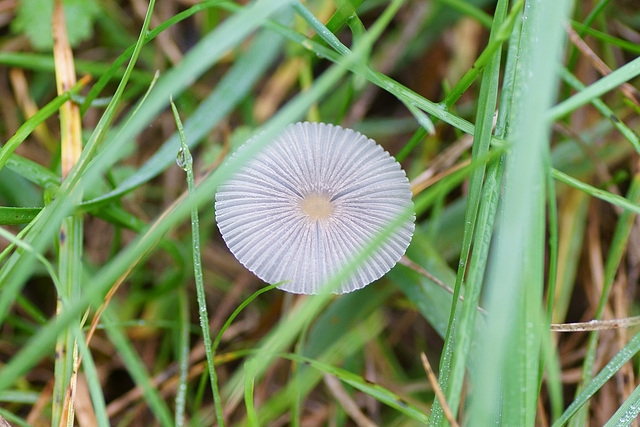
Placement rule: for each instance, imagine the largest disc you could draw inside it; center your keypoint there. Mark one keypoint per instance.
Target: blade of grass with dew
(103, 279)
(136, 369)
(627, 412)
(233, 87)
(509, 355)
(459, 331)
(605, 374)
(500, 34)
(185, 161)
(616, 251)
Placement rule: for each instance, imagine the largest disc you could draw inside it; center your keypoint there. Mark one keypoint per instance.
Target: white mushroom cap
(309, 202)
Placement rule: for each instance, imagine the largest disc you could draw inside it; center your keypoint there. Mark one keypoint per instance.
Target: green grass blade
(627, 412)
(614, 199)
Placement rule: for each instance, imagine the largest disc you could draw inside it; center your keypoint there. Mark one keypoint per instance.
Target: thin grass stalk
(70, 238)
(185, 161)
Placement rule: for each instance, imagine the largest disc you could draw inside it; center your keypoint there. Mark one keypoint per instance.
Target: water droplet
(183, 159)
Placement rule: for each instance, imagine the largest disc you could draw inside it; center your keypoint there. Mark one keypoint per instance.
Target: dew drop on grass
(182, 159)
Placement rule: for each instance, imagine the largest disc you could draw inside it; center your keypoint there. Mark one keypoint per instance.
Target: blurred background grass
(561, 246)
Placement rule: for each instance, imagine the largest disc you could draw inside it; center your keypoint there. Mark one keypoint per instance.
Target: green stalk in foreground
(185, 161)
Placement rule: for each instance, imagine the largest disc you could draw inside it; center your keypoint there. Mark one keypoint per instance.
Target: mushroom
(309, 202)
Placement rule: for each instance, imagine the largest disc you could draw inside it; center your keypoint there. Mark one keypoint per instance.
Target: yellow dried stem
(70, 125)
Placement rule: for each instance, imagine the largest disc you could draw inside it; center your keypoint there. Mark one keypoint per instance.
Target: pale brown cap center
(317, 206)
